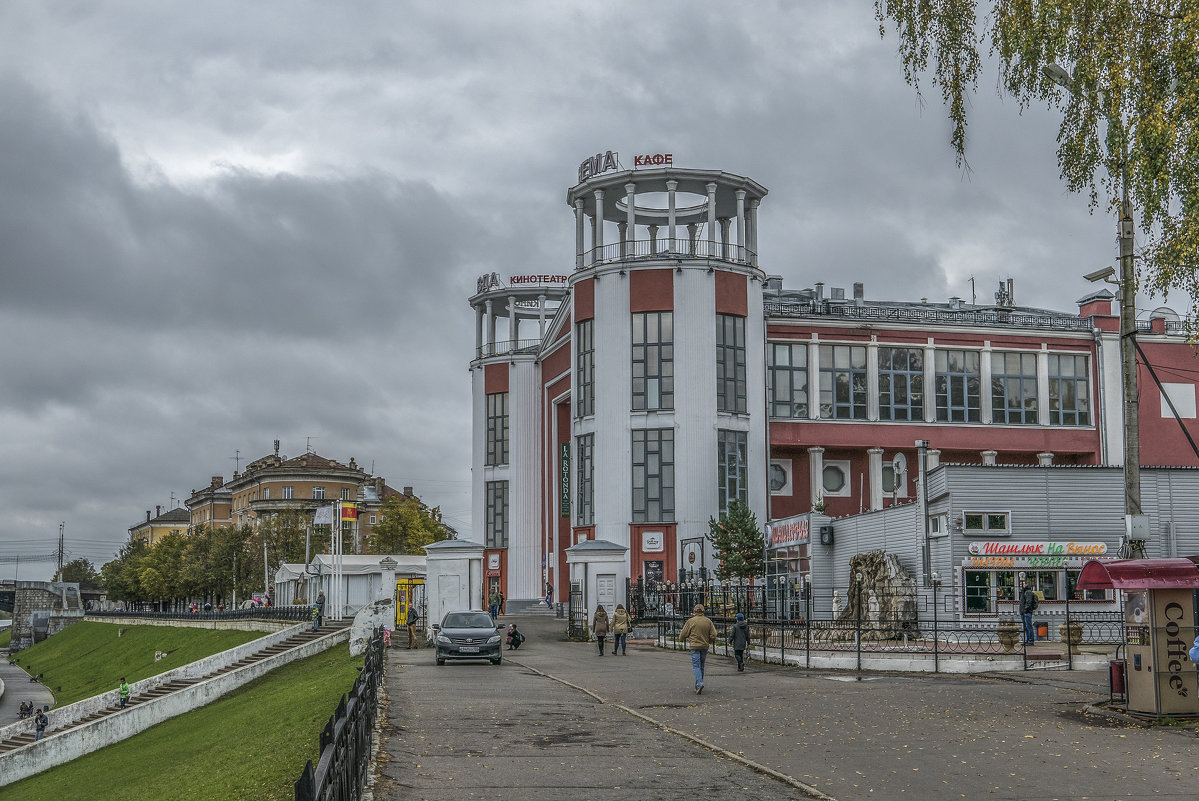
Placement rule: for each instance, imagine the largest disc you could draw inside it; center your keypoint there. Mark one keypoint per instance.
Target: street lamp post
(1128, 328)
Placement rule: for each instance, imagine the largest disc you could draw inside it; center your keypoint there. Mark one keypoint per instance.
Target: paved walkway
(557, 721)
(18, 689)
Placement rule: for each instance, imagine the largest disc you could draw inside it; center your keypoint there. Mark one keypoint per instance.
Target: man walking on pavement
(700, 633)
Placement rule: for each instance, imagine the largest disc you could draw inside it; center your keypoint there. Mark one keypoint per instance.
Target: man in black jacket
(1028, 603)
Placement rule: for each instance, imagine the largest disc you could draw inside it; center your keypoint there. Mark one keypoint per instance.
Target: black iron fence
(340, 773)
(576, 621)
(255, 613)
(788, 624)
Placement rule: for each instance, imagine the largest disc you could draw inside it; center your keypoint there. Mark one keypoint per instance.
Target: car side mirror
(436, 627)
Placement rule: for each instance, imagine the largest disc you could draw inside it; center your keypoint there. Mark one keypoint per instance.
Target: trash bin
(1042, 629)
(1115, 679)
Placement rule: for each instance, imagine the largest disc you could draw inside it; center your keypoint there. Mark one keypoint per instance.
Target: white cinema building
(622, 400)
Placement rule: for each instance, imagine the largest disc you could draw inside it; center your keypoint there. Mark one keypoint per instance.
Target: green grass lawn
(5, 638)
(89, 658)
(249, 746)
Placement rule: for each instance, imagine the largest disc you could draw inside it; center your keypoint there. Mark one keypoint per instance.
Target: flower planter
(1009, 632)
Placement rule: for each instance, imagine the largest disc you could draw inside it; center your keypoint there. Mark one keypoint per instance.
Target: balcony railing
(666, 248)
(918, 314)
(508, 347)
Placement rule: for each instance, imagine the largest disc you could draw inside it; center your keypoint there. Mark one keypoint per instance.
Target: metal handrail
(508, 347)
(667, 248)
(255, 613)
(917, 314)
(341, 770)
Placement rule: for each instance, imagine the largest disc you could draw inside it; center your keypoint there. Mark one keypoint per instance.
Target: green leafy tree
(738, 543)
(120, 575)
(405, 527)
(1129, 117)
(81, 571)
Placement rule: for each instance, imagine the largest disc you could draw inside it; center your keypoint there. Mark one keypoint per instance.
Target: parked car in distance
(467, 635)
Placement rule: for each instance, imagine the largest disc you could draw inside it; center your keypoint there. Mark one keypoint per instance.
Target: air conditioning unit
(826, 535)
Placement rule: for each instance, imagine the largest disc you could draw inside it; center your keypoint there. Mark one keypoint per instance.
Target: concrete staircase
(296, 640)
(531, 607)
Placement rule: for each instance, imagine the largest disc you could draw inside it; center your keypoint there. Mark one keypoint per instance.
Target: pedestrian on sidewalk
(320, 608)
(740, 640)
(316, 617)
(699, 633)
(599, 626)
(413, 623)
(123, 692)
(515, 638)
(386, 637)
(1028, 604)
(493, 604)
(549, 594)
(620, 630)
(502, 602)
(40, 723)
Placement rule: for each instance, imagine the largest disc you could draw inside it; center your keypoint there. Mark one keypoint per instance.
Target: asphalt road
(557, 721)
(18, 689)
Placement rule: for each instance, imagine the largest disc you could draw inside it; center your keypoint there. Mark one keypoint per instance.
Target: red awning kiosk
(1161, 606)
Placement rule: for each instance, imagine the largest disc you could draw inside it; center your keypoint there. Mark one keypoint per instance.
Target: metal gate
(576, 627)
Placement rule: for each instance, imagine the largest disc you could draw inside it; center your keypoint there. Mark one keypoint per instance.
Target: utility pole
(1128, 356)
(61, 526)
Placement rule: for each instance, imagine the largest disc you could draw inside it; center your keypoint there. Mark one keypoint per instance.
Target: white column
(479, 330)
(711, 220)
(1043, 387)
(513, 326)
(814, 379)
(986, 409)
(1045, 459)
(653, 239)
(816, 474)
(540, 316)
(579, 215)
(724, 237)
(598, 220)
(872, 380)
(741, 222)
(670, 215)
(934, 457)
(753, 231)
(630, 190)
(622, 233)
(930, 382)
(692, 233)
(989, 457)
(491, 327)
(875, 462)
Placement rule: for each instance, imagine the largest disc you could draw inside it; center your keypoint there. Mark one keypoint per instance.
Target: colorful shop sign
(788, 531)
(1032, 554)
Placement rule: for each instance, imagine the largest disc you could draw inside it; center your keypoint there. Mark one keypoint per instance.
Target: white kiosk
(454, 578)
(600, 569)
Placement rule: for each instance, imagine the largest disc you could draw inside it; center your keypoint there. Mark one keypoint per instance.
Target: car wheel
(440, 661)
(497, 660)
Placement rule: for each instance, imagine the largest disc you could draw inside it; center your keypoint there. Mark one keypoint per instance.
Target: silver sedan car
(467, 635)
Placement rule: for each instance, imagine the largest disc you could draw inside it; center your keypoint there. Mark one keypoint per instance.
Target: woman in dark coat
(599, 626)
(740, 640)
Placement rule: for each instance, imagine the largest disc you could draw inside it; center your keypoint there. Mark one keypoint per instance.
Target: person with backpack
(740, 638)
(1028, 605)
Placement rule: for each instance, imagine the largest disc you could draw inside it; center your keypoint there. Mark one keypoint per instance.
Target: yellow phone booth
(410, 595)
(1159, 609)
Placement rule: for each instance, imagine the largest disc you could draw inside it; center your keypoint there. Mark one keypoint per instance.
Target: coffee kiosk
(1159, 599)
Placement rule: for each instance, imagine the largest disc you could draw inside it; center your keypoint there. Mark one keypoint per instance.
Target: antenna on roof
(276, 447)
(236, 457)
(308, 444)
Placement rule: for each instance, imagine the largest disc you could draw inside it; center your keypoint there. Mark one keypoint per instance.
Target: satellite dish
(899, 463)
(1165, 313)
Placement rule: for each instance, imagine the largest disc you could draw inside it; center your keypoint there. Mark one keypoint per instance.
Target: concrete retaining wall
(246, 624)
(202, 667)
(58, 749)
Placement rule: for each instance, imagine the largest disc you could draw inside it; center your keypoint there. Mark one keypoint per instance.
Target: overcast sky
(227, 223)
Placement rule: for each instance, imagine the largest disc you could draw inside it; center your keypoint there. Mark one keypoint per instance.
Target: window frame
(496, 514)
(986, 518)
(731, 484)
(652, 344)
(1007, 386)
(784, 389)
(730, 364)
(657, 490)
(888, 376)
(585, 480)
(585, 368)
(957, 381)
(856, 379)
(497, 452)
(1080, 413)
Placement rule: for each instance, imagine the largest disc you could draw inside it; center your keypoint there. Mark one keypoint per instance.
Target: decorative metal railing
(508, 347)
(924, 316)
(340, 773)
(783, 621)
(666, 248)
(255, 613)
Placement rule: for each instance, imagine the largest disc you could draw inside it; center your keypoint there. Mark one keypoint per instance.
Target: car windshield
(468, 620)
